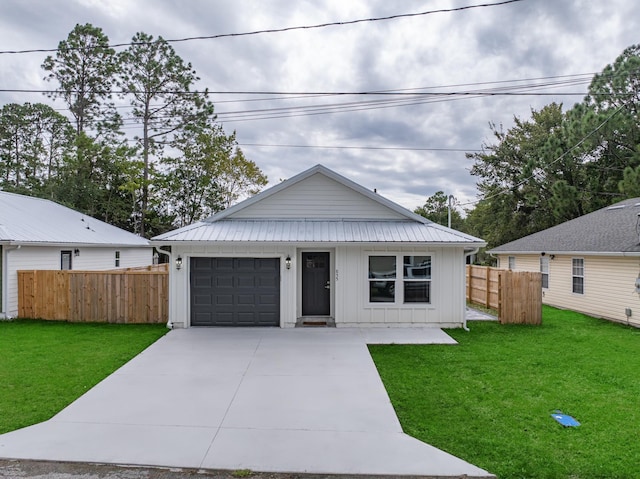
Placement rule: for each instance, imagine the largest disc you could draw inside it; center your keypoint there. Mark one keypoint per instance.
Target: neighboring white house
(590, 264)
(317, 248)
(41, 234)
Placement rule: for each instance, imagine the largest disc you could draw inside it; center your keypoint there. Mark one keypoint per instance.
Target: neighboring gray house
(317, 248)
(590, 264)
(40, 234)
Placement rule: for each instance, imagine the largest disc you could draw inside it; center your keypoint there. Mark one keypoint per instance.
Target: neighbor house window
(65, 259)
(577, 273)
(512, 262)
(544, 269)
(417, 279)
(382, 279)
(117, 259)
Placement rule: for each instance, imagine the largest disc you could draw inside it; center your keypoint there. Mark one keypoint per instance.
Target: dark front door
(316, 294)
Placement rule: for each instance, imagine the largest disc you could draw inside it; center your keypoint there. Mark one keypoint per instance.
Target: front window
(388, 283)
(577, 271)
(417, 279)
(382, 279)
(544, 269)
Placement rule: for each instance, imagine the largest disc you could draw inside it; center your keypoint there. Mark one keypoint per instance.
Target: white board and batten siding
(350, 305)
(608, 284)
(317, 197)
(447, 289)
(49, 258)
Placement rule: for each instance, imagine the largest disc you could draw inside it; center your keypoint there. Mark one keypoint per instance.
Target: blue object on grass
(564, 419)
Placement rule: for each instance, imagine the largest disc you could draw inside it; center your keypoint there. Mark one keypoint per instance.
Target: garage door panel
(235, 291)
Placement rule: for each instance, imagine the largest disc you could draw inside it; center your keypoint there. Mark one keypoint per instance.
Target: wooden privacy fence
(517, 295)
(135, 295)
(482, 285)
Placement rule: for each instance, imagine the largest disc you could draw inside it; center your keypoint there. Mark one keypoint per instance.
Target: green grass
(45, 365)
(489, 399)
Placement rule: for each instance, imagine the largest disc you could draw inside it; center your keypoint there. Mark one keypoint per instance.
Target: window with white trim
(417, 279)
(382, 279)
(544, 269)
(117, 262)
(512, 262)
(577, 275)
(390, 284)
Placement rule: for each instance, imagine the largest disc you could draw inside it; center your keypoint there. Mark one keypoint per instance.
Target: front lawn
(489, 399)
(45, 365)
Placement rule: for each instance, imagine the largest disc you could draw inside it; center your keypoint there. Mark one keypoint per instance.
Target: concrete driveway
(266, 399)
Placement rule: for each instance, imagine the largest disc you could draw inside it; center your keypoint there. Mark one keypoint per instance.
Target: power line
(340, 147)
(285, 29)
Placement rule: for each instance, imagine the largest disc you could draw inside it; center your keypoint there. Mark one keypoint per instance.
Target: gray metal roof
(615, 229)
(28, 220)
(319, 231)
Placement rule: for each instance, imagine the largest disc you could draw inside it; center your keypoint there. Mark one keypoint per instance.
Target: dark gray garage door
(235, 291)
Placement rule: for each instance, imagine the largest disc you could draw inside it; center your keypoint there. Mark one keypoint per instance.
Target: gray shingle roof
(614, 229)
(29, 220)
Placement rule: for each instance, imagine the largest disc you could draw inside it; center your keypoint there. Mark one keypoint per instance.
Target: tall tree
(436, 209)
(158, 84)
(210, 174)
(85, 66)
(523, 167)
(95, 179)
(237, 176)
(34, 140)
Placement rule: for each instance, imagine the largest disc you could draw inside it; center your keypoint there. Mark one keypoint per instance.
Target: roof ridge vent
(616, 207)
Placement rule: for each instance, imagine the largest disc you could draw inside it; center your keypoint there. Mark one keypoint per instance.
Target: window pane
(382, 291)
(417, 291)
(545, 280)
(544, 264)
(418, 267)
(578, 285)
(578, 267)
(382, 267)
(65, 260)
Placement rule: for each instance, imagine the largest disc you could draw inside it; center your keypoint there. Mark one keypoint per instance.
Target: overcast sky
(458, 51)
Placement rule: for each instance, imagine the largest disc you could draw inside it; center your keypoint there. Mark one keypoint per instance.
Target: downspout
(466, 255)
(170, 257)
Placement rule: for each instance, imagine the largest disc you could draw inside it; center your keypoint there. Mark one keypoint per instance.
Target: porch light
(287, 262)
(179, 262)
(76, 252)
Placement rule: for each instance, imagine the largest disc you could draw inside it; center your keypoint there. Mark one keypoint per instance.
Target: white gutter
(466, 255)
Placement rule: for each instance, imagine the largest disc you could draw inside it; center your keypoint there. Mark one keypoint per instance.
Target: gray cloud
(532, 38)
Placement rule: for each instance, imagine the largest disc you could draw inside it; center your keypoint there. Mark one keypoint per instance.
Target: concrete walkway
(266, 399)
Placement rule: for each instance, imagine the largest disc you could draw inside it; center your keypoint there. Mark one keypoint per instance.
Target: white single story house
(317, 249)
(40, 234)
(590, 264)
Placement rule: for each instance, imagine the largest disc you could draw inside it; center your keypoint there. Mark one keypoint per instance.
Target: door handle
(328, 285)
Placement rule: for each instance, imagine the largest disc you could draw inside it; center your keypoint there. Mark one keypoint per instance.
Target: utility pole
(449, 211)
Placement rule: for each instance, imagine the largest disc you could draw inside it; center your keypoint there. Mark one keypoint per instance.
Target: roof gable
(614, 229)
(317, 193)
(319, 206)
(30, 220)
